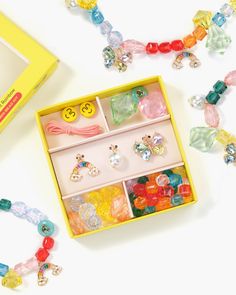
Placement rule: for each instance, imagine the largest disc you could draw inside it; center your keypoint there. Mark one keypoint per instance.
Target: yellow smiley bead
(87, 4)
(87, 109)
(11, 280)
(69, 114)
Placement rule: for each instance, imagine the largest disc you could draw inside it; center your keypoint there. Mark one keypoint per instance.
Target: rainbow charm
(76, 176)
(56, 270)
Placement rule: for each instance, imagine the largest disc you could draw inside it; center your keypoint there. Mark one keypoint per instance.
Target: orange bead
(189, 41)
(199, 33)
(187, 199)
(151, 187)
(152, 177)
(140, 203)
(163, 203)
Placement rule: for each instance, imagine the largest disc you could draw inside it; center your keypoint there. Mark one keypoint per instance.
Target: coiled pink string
(56, 128)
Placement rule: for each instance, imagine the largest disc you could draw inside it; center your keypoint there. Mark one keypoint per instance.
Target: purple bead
(115, 39)
(106, 28)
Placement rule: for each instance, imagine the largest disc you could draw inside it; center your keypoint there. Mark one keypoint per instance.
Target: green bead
(138, 212)
(217, 39)
(212, 97)
(5, 205)
(143, 179)
(203, 138)
(167, 172)
(220, 87)
(132, 197)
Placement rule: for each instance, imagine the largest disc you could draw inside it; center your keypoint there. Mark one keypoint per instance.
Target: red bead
(185, 190)
(160, 192)
(168, 191)
(48, 243)
(152, 48)
(42, 254)
(152, 199)
(139, 190)
(177, 45)
(165, 47)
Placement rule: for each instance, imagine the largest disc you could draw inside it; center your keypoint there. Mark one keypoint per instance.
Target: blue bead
(97, 17)
(219, 19)
(150, 209)
(46, 228)
(3, 269)
(175, 179)
(177, 200)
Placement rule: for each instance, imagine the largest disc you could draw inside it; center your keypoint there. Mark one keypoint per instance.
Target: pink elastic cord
(56, 128)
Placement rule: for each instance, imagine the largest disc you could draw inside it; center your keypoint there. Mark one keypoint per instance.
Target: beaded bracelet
(12, 278)
(119, 53)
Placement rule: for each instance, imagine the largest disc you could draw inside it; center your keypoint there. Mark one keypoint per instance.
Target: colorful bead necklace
(203, 138)
(119, 53)
(12, 278)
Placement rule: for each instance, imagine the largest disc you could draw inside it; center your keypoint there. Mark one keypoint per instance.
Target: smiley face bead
(69, 114)
(87, 109)
(87, 4)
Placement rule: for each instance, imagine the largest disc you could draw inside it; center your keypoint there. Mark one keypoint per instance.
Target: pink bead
(211, 115)
(162, 180)
(130, 184)
(230, 79)
(153, 106)
(27, 267)
(134, 46)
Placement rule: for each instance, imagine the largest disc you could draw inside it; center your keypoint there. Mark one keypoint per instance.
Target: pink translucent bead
(27, 267)
(211, 115)
(153, 106)
(129, 185)
(134, 46)
(230, 79)
(162, 180)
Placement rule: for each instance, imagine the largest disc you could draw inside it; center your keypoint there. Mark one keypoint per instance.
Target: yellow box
(34, 65)
(49, 151)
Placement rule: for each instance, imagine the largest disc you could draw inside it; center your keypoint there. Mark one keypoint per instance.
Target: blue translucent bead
(219, 19)
(46, 228)
(115, 39)
(3, 269)
(96, 16)
(35, 216)
(19, 209)
(177, 200)
(175, 180)
(106, 28)
(150, 209)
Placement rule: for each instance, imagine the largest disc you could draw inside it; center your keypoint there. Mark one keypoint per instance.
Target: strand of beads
(119, 53)
(208, 103)
(12, 277)
(203, 138)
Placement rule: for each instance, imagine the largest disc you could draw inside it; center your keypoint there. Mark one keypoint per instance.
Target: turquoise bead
(3, 269)
(46, 228)
(96, 16)
(149, 210)
(220, 87)
(219, 19)
(167, 172)
(175, 180)
(177, 200)
(5, 205)
(212, 97)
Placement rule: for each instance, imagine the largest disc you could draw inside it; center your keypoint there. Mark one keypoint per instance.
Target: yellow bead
(224, 137)
(233, 4)
(87, 4)
(203, 18)
(11, 280)
(69, 114)
(87, 109)
(181, 171)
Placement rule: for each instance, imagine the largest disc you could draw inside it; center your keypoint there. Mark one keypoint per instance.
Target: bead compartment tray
(61, 150)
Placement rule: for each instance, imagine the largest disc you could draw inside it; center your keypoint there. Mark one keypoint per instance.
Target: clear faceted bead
(227, 10)
(105, 27)
(35, 216)
(115, 39)
(19, 209)
(197, 101)
(94, 222)
(86, 211)
(76, 202)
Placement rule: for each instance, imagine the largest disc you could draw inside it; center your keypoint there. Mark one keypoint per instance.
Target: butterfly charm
(150, 146)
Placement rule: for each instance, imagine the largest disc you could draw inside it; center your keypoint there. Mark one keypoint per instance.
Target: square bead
(199, 33)
(189, 41)
(212, 97)
(3, 269)
(203, 18)
(220, 87)
(5, 205)
(219, 19)
(227, 10)
(232, 3)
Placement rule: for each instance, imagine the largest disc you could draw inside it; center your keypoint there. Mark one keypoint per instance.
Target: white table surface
(187, 251)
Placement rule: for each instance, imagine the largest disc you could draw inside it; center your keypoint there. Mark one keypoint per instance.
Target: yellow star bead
(11, 280)
(203, 18)
(224, 137)
(87, 4)
(233, 4)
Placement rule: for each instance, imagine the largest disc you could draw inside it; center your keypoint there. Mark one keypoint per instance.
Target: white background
(188, 251)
